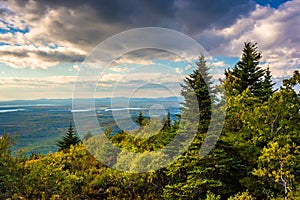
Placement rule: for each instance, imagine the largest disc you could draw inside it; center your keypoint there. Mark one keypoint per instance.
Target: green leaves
(277, 163)
(10, 175)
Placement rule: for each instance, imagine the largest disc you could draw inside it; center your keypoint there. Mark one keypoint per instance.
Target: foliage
(256, 157)
(277, 162)
(8, 173)
(59, 175)
(294, 80)
(212, 196)
(242, 196)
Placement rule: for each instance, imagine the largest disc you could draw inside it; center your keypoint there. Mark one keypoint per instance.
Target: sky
(44, 43)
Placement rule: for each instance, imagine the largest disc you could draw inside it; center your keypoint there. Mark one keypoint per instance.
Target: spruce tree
(69, 139)
(266, 90)
(248, 74)
(198, 95)
(197, 111)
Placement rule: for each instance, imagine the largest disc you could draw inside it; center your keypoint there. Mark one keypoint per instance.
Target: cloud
(34, 56)
(196, 16)
(76, 68)
(53, 81)
(136, 58)
(137, 84)
(119, 69)
(128, 80)
(275, 30)
(40, 34)
(79, 26)
(217, 64)
(178, 70)
(33, 88)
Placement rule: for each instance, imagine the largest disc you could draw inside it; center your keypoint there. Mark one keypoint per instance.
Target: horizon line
(91, 98)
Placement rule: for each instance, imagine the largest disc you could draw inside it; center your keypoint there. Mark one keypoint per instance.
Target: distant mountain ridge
(68, 101)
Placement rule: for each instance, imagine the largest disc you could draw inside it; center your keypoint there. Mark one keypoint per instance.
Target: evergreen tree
(197, 111)
(167, 122)
(140, 119)
(69, 139)
(248, 74)
(198, 95)
(266, 90)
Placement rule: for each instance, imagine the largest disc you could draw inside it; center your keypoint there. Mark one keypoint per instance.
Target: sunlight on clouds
(76, 68)
(217, 64)
(119, 69)
(10, 82)
(33, 56)
(275, 31)
(127, 59)
(178, 70)
(32, 49)
(36, 36)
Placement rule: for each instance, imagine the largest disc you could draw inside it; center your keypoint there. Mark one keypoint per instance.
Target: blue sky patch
(272, 3)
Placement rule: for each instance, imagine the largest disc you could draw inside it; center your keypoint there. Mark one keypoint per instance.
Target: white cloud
(76, 68)
(53, 81)
(178, 70)
(48, 40)
(109, 84)
(275, 30)
(127, 59)
(3, 26)
(217, 64)
(49, 34)
(32, 56)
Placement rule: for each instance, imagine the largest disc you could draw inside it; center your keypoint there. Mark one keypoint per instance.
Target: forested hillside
(257, 155)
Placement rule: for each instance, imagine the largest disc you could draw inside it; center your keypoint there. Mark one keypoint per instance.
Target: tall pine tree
(198, 96)
(248, 74)
(197, 111)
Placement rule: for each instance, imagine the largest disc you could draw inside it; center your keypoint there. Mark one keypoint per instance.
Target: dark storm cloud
(118, 11)
(189, 16)
(152, 12)
(195, 16)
